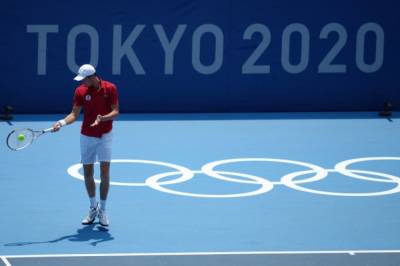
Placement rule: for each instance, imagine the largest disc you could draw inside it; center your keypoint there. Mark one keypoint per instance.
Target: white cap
(85, 71)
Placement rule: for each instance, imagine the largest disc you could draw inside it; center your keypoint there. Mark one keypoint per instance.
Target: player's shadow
(93, 234)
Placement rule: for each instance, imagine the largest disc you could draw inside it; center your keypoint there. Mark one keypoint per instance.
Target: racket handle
(50, 129)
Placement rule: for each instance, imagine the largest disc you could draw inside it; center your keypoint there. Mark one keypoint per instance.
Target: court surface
(209, 189)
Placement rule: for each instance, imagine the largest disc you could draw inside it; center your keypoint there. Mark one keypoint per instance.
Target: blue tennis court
(209, 189)
(239, 133)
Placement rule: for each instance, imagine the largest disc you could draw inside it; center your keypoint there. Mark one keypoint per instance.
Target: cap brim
(78, 78)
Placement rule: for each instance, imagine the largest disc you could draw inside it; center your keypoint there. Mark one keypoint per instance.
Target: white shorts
(92, 147)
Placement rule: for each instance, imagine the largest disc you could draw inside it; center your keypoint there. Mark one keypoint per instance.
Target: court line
(6, 262)
(350, 252)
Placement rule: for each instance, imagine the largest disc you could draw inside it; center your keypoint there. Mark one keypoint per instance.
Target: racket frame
(35, 135)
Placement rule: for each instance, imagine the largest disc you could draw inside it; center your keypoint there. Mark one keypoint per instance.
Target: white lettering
(125, 49)
(71, 45)
(219, 49)
(42, 31)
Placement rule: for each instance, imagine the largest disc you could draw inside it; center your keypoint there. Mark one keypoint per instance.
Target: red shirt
(96, 102)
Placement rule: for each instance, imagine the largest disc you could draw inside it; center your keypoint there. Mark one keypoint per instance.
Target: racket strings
(14, 142)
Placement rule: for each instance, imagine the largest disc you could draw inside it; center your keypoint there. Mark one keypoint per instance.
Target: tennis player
(99, 100)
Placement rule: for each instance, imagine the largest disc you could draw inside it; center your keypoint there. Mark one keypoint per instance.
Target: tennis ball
(21, 137)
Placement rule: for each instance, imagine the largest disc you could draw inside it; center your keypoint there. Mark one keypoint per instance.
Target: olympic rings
(288, 181)
(209, 168)
(186, 173)
(264, 185)
(342, 168)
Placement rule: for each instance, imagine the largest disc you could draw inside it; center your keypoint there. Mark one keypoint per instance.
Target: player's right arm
(69, 119)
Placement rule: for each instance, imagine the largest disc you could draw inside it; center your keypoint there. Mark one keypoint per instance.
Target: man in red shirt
(99, 100)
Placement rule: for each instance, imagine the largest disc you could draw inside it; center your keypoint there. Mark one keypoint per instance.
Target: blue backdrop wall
(203, 56)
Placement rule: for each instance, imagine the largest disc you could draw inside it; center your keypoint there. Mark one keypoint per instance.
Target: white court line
(6, 262)
(351, 252)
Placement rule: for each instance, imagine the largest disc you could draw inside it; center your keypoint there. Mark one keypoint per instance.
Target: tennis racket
(19, 139)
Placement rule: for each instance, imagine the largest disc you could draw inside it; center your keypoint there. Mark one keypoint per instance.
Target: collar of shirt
(99, 88)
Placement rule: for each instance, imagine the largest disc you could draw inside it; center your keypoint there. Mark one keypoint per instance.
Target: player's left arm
(111, 115)
(107, 117)
(114, 104)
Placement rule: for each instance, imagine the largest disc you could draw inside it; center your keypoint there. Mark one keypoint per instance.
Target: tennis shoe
(91, 216)
(103, 219)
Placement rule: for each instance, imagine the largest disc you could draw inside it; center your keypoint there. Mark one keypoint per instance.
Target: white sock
(103, 205)
(93, 202)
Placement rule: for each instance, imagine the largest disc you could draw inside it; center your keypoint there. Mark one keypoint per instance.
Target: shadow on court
(94, 234)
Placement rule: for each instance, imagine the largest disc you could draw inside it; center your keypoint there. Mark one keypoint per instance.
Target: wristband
(62, 122)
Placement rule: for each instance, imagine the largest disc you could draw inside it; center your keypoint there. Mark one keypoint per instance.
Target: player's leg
(88, 173)
(88, 157)
(104, 155)
(105, 180)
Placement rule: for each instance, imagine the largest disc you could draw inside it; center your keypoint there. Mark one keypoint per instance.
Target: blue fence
(203, 56)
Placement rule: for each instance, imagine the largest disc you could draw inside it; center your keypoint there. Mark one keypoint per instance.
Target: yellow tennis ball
(21, 137)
